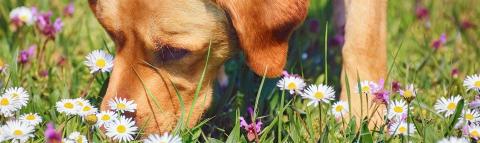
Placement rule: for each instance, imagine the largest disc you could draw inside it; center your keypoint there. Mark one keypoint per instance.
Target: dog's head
(162, 47)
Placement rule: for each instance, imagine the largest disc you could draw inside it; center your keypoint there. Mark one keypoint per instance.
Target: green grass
(285, 118)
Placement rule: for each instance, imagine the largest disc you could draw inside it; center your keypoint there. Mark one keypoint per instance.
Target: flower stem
(320, 113)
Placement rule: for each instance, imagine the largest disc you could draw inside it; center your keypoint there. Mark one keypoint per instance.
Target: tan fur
(141, 28)
(364, 51)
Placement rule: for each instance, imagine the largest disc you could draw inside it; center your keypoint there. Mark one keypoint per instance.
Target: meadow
(433, 83)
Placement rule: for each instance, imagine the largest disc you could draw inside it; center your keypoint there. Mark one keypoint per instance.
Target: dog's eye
(167, 53)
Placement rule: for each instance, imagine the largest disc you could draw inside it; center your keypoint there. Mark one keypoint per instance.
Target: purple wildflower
(337, 40)
(314, 25)
(467, 24)
(43, 73)
(69, 9)
(421, 12)
(25, 55)
(455, 72)
(253, 129)
(475, 103)
(46, 26)
(440, 41)
(51, 135)
(396, 86)
(381, 96)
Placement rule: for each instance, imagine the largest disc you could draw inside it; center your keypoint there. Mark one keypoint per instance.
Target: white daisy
(23, 14)
(65, 140)
(401, 128)
(453, 140)
(31, 119)
(339, 109)
(472, 82)
(18, 131)
(67, 106)
(396, 109)
(447, 106)
(474, 131)
(99, 61)
(77, 137)
(81, 102)
(19, 95)
(293, 84)
(106, 117)
(318, 93)
(87, 109)
(166, 138)
(7, 105)
(366, 87)
(122, 129)
(122, 105)
(471, 116)
(409, 93)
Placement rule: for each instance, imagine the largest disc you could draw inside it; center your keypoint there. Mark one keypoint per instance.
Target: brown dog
(175, 35)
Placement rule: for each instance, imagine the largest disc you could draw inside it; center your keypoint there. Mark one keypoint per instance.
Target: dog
(162, 47)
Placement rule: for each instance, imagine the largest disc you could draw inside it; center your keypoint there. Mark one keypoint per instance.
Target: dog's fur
(162, 47)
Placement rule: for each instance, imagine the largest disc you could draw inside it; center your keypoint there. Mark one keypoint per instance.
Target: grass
(285, 118)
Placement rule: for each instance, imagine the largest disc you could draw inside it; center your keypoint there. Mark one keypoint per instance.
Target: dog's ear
(263, 28)
(106, 11)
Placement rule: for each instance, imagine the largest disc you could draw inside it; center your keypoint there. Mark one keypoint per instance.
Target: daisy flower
(409, 93)
(339, 109)
(121, 130)
(99, 61)
(474, 131)
(121, 105)
(81, 102)
(87, 109)
(402, 128)
(31, 118)
(19, 95)
(22, 15)
(166, 138)
(7, 105)
(471, 116)
(453, 140)
(447, 106)
(18, 131)
(67, 106)
(472, 82)
(318, 93)
(396, 109)
(366, 87)
(292, 84)
(77, 137)
(106, 117)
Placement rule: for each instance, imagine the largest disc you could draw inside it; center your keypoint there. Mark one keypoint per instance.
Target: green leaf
(455, 117)
(234, 136)
(365, 135)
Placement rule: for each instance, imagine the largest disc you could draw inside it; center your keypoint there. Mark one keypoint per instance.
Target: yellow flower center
(469, 117)
(474, 133)
(365, 88)
(79, 139)
(398, 109)
(451, 106)
(1, 63)
(87, 108)
(292, 86)
(68, 105)
(30, 117)
(23, 17)
(121, 106)
(339, 108)
(105, 117)
(80, 103)
(121, 129)
(319, 95)
(477, 84)
(17, 132)
(4, 102)
(402, 129)
(101, 63)
(407, 94)
(15, 95)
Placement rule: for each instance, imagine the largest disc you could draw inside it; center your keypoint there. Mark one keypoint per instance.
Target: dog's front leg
(364, 53)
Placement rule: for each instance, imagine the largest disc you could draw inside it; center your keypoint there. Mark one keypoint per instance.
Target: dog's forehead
(180, 20)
